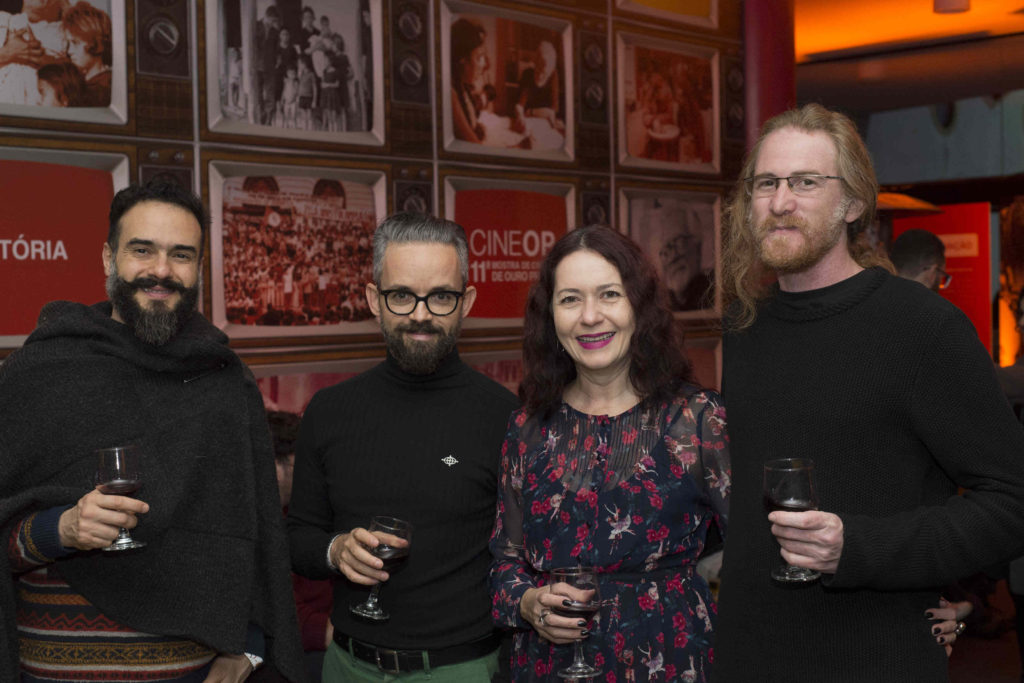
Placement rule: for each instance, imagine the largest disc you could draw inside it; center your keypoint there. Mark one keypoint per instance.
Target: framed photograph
(680, 232)
(511, 223)
(56, 200)
(705, 353)
(703, 13)
(82, 74)
(505, 89)
(290, 249)
(668, 105)
(300, 71)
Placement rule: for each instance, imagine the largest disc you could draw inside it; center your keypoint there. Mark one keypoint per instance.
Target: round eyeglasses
(403, 302)
(804, 184)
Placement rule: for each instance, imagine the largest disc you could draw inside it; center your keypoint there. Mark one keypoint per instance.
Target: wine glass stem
(577, 655)
(371, 599)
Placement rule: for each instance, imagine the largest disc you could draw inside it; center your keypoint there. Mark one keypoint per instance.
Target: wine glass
(579, 586)
(119, 473)
(788, 486)
(387, 530)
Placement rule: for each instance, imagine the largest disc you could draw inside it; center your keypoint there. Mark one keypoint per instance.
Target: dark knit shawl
(216, 557)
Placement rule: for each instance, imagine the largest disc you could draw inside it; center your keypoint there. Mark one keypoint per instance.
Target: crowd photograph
(296, 252)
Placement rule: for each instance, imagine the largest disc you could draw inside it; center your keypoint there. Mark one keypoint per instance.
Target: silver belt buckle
(394, 656)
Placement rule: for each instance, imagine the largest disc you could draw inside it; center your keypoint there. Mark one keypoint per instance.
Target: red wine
(120, 487)
(391, 555)
(789, 505)
(582, 610)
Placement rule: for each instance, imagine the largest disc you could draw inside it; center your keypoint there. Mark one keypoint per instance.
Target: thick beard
(817, 241)
(160, 323)
(415, 357)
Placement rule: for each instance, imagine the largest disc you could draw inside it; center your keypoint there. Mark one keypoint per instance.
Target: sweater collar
(197, 347)
(817, 304)
(450, 366)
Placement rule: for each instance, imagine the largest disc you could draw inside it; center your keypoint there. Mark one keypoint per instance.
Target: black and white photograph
(506, 89)
(292, 253)
(679, 232)
(307, 70)
(63, 59)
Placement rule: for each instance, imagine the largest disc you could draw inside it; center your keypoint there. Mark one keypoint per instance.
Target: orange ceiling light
(823, 29)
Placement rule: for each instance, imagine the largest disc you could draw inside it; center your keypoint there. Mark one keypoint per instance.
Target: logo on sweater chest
(449, 460)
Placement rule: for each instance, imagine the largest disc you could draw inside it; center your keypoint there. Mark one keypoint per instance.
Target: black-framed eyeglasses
(804, 184)
(946, 280)
(403, 302)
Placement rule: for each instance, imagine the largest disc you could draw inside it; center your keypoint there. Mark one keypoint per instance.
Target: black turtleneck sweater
(420, 448)
(885, 385)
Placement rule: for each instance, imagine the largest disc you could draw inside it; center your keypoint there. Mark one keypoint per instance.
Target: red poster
(965, 230)
(509, 232)
(52, 228)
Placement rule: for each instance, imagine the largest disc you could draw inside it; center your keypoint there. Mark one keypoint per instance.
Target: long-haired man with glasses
(417, 437)
(886, 388)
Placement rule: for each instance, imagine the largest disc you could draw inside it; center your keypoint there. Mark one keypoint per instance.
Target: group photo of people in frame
(668, 106)
(507, 83)
(677, 231)
(304, 66)
(55, 53)
(297, 250)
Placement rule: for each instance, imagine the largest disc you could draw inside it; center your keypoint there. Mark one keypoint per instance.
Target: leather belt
(398, 661)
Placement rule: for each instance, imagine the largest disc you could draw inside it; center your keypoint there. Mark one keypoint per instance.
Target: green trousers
(341, 667)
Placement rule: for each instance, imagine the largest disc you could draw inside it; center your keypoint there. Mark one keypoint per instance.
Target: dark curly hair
(657, 364)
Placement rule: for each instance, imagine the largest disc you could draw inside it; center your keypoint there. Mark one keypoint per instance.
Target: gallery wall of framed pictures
(303, 123)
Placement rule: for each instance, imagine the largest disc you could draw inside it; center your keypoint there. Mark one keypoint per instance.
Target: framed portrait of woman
(81, 75)
(668, 104)
(505, 89)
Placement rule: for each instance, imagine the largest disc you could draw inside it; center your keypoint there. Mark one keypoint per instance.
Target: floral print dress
(634, 495)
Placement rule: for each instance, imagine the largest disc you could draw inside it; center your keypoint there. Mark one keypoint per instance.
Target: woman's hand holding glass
(538, 607)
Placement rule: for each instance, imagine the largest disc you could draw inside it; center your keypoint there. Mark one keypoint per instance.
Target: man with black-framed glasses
(418, 438)
(921, 256)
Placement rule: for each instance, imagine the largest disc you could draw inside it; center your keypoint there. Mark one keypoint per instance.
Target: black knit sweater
(420, 448)
(886, 387)
(215, 559)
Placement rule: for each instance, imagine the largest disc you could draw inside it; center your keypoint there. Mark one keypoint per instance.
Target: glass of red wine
(789, 486)
(582, 601)
(390, 532)
(118, 473)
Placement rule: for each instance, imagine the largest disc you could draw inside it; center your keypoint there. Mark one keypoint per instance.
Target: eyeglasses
(403, 302)
(803, 184)
(946, 280)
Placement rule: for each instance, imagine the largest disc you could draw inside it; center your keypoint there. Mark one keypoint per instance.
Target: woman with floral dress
(617, 460)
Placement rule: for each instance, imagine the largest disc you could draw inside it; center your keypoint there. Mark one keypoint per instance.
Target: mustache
(150, 282)
(421, 327)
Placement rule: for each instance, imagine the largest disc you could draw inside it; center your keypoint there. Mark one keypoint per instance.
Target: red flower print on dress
(628, 437)
(659, 534)
(646, 602)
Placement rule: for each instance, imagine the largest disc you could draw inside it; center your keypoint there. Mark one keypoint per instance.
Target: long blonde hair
(745, 279)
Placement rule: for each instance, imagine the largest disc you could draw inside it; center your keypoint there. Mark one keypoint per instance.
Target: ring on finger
(960, 628)
(543, 615)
